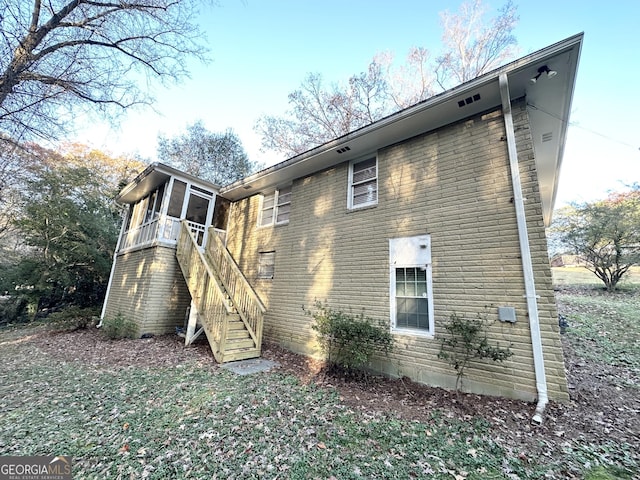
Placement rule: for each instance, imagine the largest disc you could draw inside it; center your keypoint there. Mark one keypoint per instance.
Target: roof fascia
(239, 189)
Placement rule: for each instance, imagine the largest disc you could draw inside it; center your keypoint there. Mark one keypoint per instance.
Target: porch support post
(527, 264)
(191, 334)
(191, 324)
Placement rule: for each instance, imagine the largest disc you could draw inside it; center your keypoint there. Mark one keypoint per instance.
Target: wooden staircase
(222, 301)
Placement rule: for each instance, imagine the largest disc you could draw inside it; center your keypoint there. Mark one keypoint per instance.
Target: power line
(574, 124)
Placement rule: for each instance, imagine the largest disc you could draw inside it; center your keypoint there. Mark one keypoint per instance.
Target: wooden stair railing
(222, 324)
(244, 298)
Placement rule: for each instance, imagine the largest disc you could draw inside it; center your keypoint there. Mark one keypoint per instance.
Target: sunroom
(159, 199)
(172, 268)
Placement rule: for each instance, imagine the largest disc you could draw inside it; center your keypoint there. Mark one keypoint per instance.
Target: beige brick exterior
(149, 291)
(454, 184)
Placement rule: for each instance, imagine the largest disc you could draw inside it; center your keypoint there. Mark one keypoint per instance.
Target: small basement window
(266, 265)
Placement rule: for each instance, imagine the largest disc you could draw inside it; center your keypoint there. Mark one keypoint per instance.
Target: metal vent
(468, 100)
(343, 149)
(547, 137)
(247, 187)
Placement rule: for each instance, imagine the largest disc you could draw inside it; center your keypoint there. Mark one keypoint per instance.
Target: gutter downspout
(113, 269)
(527, 265)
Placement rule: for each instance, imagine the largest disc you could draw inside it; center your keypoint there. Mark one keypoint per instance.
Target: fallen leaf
(125, 426)
(321, 445)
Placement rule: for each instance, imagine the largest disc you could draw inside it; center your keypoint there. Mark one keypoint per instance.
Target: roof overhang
(549, 106)
(155, 175)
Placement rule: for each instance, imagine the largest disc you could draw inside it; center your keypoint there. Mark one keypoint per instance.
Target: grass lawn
(193, 422)
(136, 414)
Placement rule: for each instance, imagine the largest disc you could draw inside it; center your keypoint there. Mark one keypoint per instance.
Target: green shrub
(73, 318)
(13, 309)
(467, 341)
(348, 341)
(116, 327)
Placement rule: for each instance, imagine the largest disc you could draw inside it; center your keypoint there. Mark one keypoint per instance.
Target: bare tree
(58, 55)
(473, 46)
(411, 82)
(319, 114)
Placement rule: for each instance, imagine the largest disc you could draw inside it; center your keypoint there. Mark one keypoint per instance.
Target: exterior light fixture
(544, 69)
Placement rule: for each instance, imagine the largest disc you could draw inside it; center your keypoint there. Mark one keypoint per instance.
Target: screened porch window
(177, 199)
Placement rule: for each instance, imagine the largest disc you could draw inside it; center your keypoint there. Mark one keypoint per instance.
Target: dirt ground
(600, 409)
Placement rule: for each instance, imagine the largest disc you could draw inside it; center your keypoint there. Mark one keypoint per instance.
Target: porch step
(240, 354)
(235, 324)
(237, 334)
(238, 343)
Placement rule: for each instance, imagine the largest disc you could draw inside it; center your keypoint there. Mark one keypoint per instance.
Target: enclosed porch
(172, 270)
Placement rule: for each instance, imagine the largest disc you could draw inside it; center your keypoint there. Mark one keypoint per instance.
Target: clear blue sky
(261, 50)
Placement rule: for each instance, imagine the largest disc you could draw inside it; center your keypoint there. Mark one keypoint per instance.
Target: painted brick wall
(453, 184)
(148, 289)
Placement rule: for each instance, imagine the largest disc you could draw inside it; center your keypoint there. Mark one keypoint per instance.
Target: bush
(13, 309)
(468, 341)
(73, 318)
(116, 327)
(348, 342)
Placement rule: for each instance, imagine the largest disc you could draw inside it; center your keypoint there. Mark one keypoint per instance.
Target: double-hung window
(410, 285)
(363, 183)
(275, 208)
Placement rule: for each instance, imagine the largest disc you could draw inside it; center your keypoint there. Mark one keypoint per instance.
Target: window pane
(159, 199)
(412, 305)
(365, 193)
(283, 213)
(268, 201)
(177, 198)
(364, 171)
(267, 217)
(197, 209)
(266, 264)
(284, 196)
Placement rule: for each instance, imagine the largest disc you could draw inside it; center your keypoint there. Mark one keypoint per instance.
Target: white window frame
(426, 265)
(266, 265)
(276, 195)
(353, 185)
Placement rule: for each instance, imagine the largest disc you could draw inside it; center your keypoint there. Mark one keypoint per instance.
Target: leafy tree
(319, 113)
(217, 157)
(605, 234)
(62, 54)
(67, 224)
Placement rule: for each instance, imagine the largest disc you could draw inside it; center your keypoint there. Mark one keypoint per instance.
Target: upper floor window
(363, 183)
(275, 208)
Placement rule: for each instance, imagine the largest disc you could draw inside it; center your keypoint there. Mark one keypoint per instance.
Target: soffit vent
(343, 149)
(247, 187)
(468, 100)
(547, 137)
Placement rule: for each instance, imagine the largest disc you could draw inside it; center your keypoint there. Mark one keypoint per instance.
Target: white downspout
(527, 265)
(113, 268)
